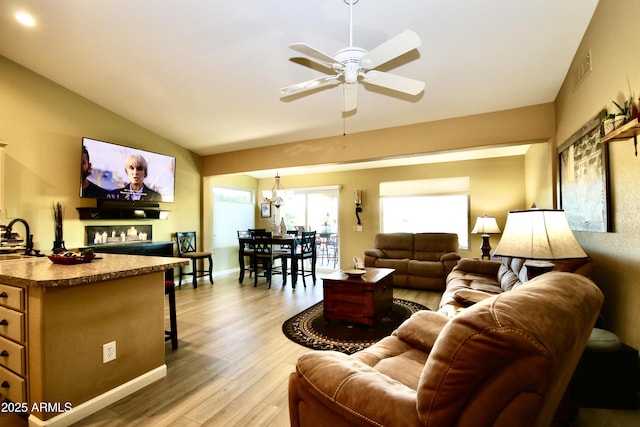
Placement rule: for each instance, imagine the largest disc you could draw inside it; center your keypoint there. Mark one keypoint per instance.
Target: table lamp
(539, 236)
(486, 225)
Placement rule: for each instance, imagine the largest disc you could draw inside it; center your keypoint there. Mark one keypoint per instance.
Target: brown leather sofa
(505, 361)
(421, 260)
(473, 280)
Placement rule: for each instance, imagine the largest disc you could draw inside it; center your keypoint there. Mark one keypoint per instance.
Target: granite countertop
(41, 272)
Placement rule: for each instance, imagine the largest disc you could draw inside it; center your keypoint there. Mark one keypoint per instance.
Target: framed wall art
(583, 169)
(265, 210)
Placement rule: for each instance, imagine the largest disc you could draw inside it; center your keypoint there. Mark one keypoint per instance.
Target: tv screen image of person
(116, 172)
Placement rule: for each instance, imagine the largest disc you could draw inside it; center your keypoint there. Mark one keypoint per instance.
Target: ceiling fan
(352, 65)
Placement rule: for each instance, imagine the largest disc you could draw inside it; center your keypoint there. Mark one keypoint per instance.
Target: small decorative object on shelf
(61, 256)
(623, 124)
(58, 210)
(627, 111)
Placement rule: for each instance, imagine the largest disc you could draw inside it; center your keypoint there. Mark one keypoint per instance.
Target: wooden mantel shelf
(626, 131)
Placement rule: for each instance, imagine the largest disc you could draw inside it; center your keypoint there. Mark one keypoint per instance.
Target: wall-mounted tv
(125, 174)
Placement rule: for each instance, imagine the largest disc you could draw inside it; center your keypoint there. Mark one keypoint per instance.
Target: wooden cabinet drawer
(12, 356)
(12, 296)
(12, 324)
(12, 386)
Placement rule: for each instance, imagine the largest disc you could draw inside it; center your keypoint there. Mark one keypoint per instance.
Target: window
(431, 205)
(314, 208)
(317, 210)
(233, 210)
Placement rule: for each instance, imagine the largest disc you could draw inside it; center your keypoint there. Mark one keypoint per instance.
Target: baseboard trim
(217, 274)
(100, 402)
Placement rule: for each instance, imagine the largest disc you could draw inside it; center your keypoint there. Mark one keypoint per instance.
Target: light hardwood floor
(233, 362)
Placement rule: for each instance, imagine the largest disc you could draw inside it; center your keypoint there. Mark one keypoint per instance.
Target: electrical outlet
(357, 228)
(109, 352)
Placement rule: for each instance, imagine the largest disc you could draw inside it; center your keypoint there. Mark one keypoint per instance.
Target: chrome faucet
(29, 244)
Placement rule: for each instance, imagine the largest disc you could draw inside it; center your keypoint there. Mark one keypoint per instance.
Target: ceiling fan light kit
(353, 65)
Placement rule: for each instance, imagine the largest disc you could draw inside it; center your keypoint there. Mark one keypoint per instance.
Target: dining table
(290, 242)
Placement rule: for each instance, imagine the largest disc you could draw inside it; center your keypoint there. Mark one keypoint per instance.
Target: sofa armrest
(450, 256)
(421, 329)
(371, 256)
(376, 253)
(469, 297)
(477, 266)
(338, 382)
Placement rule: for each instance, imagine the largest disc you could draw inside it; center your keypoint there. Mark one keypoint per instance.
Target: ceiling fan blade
(349, 97)
(391, 49)
(394, 82)
(322, 67)
(314, 53)
(306, 86)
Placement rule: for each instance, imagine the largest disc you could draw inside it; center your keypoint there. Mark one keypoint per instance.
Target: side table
(606, 377)
(358, 299)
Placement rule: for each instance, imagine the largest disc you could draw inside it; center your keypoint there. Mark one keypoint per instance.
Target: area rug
(309, 328)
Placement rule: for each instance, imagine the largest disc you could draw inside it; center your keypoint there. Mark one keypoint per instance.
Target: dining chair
(306, 250)
(284, 250)
(247, 249)
(187, 248)
(264, 257)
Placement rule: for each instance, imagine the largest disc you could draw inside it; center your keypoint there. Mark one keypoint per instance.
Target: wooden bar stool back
(187, 248)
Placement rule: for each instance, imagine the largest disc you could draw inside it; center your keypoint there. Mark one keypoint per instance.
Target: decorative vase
(58, 243)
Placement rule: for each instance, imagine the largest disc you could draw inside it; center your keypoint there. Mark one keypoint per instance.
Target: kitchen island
(54, 321)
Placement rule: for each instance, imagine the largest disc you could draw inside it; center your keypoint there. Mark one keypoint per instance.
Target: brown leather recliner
(505, 361)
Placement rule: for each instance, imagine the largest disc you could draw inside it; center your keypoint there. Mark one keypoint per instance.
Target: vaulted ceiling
(206, 74)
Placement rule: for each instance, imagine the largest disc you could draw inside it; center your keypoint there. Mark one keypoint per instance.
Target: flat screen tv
(112, 172)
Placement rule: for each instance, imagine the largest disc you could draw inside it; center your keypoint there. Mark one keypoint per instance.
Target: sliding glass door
(316, 209)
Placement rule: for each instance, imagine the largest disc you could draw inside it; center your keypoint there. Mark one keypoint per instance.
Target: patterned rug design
(309, 328)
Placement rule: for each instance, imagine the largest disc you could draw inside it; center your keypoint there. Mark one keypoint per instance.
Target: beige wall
(539, 176)
(616, 67)
(42, 124)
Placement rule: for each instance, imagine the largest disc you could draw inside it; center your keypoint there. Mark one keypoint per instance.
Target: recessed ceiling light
(25, 19)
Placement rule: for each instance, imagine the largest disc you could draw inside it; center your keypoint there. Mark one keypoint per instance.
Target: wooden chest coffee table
(358, 299)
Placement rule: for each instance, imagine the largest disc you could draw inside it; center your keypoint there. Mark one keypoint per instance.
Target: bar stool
(187, 249)
(170, 290)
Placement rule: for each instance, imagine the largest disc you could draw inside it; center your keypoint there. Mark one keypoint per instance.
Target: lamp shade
(539, 234)
(486, 225)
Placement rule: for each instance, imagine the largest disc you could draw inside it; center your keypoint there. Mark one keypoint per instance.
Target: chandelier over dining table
(277, 195)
